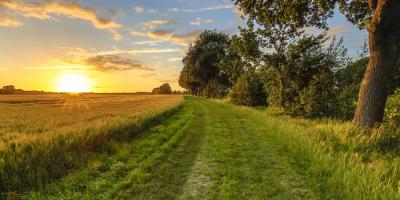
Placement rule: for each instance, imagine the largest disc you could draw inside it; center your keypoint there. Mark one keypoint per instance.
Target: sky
(114, 45)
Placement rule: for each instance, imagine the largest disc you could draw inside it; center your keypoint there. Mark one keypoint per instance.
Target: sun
(73, 83)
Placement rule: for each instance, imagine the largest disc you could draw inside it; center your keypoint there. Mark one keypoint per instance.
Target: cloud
(134, 52)
(151, 42)
(170, 36)
(9, 21)
(218, 7)
(48, 9)
(339, 29)
(106, 63)
(137, 33)
(154, 23)
(174, 59)
(209, 21)
(139, 10)
(196, 22)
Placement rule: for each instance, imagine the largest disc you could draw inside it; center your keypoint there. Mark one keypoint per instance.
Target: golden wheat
(25, 118)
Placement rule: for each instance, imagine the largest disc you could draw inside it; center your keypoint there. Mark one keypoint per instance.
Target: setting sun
(73, 83)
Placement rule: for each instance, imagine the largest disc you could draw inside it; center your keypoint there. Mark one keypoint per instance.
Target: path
(207, 150)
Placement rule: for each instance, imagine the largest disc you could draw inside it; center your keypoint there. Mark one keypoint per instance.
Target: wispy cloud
(174, 59)
(339, 29)
(198, 21)
(151, 42)
(8, 20)
(106, 63)
(135, 52)
(170, 36)
(51, 8)
(154, 23)
(218, 7)
(139, 9)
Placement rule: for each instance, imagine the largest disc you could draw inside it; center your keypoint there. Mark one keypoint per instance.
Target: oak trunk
(384, 44)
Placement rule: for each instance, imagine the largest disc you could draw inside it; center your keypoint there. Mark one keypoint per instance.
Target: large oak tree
(380, 17)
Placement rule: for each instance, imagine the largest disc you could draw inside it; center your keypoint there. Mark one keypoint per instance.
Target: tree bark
(282, 96)
(384, 44)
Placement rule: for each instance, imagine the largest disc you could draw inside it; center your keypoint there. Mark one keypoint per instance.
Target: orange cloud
(45, 10)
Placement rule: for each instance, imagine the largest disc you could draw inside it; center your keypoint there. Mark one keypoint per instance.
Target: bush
(318, 99)
(249, 90)
(392, 110)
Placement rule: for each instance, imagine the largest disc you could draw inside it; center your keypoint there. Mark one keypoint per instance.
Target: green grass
(214, 150)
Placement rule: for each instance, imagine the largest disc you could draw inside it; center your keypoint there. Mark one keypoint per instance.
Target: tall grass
(342, 161)
(28, 165)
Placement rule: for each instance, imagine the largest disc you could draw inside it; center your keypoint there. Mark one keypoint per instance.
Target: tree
(380, 17)
(311, 75)
(163, 89)
(348, 81)
(249, 90)
(201, 74)
(242, 54)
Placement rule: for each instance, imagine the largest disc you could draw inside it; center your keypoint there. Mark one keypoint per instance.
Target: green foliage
(163, 89)
(201, 74)
(348, 84)
(311, 76)
(242, 54)
(249, 90)
(392, 109)
(319, 98)
(296, 14)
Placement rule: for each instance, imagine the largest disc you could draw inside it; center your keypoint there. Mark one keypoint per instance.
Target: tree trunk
(282, 97)
(384, 44)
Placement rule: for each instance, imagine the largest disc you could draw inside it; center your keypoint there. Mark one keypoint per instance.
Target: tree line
(274, 61)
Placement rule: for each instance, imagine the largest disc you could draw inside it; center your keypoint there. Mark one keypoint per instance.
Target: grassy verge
(30, 166)
(341, 161)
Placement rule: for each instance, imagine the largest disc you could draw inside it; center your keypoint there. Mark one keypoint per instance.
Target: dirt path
(207, 150)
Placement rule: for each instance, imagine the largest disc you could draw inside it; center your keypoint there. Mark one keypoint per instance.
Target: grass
(70, 134)
(214, 150)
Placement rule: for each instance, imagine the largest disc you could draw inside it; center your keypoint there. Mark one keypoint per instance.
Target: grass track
(206, 150)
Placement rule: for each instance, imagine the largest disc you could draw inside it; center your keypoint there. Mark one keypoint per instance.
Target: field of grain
(44, 137)
(28, 117)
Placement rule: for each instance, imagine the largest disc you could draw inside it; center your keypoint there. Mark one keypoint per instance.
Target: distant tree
(163, 89)
(8, 89)
(380, 17)
(249, 90)
(201, 73)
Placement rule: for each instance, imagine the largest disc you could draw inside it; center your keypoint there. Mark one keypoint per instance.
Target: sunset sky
(114, 45)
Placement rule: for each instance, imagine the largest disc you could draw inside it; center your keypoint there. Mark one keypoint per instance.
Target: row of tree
(273, 60)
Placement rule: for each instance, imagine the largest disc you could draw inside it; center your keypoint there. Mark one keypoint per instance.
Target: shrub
(317, 99)
(249, 90)
(392, 110)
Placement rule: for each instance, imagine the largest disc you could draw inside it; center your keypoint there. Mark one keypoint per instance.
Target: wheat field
(44, 137)
(29, 117)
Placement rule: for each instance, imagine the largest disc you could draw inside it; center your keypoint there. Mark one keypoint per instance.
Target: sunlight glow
(73, 83)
